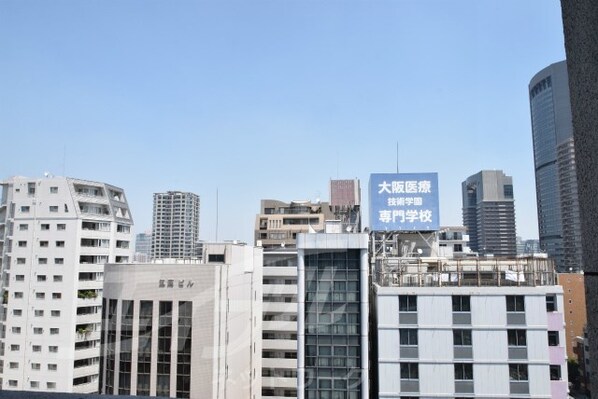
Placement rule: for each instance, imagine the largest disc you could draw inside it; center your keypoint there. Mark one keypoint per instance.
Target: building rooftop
(442, 272)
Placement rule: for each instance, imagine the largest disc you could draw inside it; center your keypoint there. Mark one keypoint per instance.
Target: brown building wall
(574, 298)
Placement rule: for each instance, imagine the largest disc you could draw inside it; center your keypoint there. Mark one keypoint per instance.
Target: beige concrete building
(184, 328)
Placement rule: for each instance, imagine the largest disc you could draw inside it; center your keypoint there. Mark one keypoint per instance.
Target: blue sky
(271, 99)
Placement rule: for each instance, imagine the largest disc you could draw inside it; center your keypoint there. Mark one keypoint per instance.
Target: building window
(35, 366)
(38, 313)
(53, 208)
(38, 330)
(516, 337)
(40, 295)
(408, 336)
(53, 349)
(56, 295)
(54, 331)
(23, 227)
(21, 261)
(44, 244)
(61, 226)
(20, 277)
(515, 303)
(551, 303)
(18, 295)
(50, 385)
(59, 261)
(34, 384)
(126, 339)
(12, 383)
(463, 371)
(144, 352)
(407, 303)
(42, 261)
(518, 372)
(409, 371)
(553, 338)
(55, 313)
(52, 367)
(13, 365)
(183, 378)
(36, 348)
(555, 372)
(22, 244)
(16, 330)
(462, 337)
(17, 312)
(45, 226)
(25, 209)
(41, 278)
(58, 278)
(15, 347)
(461, 303)
(164, 348)
(53, 190)
(60, 244)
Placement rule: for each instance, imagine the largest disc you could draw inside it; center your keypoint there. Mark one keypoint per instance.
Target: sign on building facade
(404, 201)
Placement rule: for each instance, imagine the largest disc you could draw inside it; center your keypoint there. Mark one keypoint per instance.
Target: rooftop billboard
(404, 201)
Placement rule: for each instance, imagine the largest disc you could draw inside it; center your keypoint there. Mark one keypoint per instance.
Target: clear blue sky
(271, 99)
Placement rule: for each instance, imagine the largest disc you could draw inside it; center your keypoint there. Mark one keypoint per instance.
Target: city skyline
(215, 97)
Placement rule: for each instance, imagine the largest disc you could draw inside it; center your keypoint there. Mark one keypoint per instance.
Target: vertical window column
(144, 352)
(126, 337)
(164, 343)
(183, 379)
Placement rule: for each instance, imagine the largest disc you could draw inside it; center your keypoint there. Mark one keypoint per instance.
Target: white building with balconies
(56, 234)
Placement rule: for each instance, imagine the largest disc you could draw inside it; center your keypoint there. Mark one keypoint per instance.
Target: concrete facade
(580, 23)
(489, 213)
(56, 234)
(184, 329)
(468, 328)
(175, 226)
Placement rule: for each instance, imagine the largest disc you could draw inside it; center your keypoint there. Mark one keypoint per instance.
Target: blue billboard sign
(404, 201)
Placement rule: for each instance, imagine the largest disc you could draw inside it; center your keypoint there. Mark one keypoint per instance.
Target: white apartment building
(184, 328)
(175, 225)
(56, 234)
(468, 328)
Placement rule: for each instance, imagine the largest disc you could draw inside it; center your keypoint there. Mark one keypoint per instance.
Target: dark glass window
(164, 344)
(409, 371)
(462, 337)
(144, 352)
(515, 303)
(516, 337)
(183, 379)
(518, 372)
(555, 372)
(407, 303)
(126, 336)
(553, 338)
(463, 371)
(408, 336)
(551, 303)
(461, 303)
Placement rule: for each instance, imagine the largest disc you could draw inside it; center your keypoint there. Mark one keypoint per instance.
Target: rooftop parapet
(441, 272)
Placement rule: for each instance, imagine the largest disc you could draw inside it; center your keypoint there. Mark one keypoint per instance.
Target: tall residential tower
(56, 234)
(554, 161)
(175, 230)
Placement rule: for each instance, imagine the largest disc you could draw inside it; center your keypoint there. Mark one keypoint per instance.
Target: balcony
(279, 382)
(279, 307)
(279, 363)
(277, 289)
(288, 326)
(279, 344)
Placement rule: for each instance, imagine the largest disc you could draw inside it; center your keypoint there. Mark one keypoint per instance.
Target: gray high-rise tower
(554, 161)
(489, 213)
(175, 229)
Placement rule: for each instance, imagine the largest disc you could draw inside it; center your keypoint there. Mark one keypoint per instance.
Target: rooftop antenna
(397, 157)
(64, 160)
(216, 214)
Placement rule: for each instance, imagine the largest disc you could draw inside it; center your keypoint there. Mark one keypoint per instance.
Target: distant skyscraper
(143, 247)
(175, 230)
(56, 234)
(554, 160)
(489, 213)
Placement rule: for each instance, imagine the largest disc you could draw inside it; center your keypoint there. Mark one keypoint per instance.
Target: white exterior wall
(489, 340)
(226, 330)
(28, 367)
